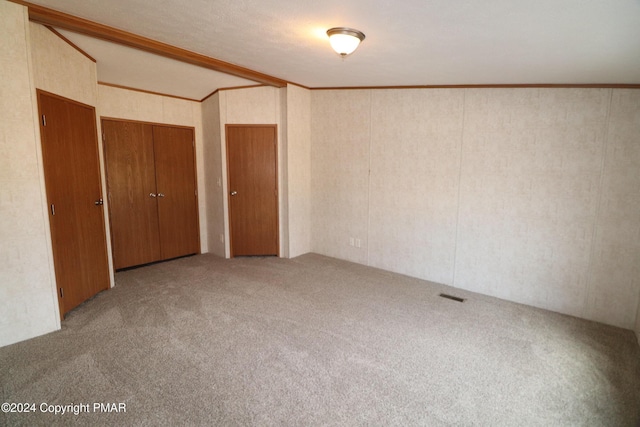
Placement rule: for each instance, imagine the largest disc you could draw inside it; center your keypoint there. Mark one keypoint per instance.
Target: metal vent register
(451, 297)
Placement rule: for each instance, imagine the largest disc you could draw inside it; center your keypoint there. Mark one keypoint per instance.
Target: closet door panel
(176, 184)
(131, 185)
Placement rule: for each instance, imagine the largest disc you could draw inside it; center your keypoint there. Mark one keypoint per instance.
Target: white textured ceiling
(125, 66)
(408, 42)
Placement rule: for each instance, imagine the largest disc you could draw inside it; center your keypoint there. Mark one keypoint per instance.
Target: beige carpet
(317, 341)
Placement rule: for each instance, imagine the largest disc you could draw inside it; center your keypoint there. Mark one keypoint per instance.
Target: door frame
(96, 141)
(277, 169)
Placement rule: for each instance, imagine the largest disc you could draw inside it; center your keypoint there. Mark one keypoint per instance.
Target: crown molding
(494, 86)
(53, 18)
(146, 91)
(70, 43)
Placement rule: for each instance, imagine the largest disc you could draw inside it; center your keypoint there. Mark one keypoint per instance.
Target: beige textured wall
(525, 194)
(415, 159)
(532, 161)
(61, 69)
(340, 137)
(259, 105)
(133, 105)
(298, 124)
(283, 174)
(616, 250)
(27, 282)
(213, 174)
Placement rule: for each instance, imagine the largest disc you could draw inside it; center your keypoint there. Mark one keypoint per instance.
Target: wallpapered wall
(213, 174)
(27, 293)
(299, 169)
(532, 195)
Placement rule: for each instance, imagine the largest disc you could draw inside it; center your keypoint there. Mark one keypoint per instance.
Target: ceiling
(125, 66)
(408, 42)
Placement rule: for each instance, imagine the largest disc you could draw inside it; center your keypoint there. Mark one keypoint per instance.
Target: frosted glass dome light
(344, 40)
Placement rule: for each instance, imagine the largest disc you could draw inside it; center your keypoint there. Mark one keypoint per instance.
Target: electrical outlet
(351, 241)
(358, 243)
(221, 238)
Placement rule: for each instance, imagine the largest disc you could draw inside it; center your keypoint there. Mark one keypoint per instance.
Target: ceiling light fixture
(344, 40)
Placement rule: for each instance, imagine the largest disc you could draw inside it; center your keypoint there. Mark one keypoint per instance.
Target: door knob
(98, 202)
(160, 194)
(233, 193)
(152, 194)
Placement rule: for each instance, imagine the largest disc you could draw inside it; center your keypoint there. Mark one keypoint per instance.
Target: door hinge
(104, 138)
(53, 209)
(195, 192)
(61, 293)
(44, 120)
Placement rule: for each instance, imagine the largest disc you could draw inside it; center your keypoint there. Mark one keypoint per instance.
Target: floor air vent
(451, 297)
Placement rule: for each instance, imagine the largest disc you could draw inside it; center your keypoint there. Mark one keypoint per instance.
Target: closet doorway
(151, 185)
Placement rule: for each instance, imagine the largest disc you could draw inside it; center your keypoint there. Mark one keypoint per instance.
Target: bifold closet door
(177, 197)
(131, 183)
(151, 179)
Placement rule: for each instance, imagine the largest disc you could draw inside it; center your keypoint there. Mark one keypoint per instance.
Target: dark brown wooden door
(74, 194)
(131, 184)
(176, 185)
(253, 189)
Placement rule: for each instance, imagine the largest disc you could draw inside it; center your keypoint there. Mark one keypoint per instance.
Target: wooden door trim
(73, 101)
(39, 94)
(226, 134)
(195, 185)
(116, 119)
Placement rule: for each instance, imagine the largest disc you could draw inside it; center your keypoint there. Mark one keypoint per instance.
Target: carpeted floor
(317, 341)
